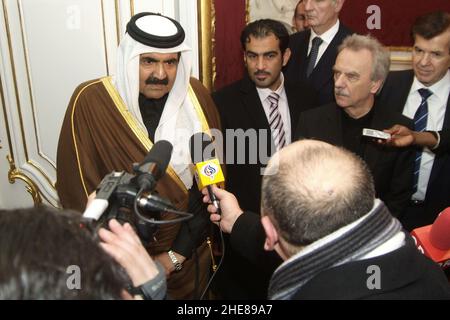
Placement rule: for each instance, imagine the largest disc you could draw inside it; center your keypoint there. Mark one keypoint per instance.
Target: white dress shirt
(437, 103)
(327, 37)
(283, 106)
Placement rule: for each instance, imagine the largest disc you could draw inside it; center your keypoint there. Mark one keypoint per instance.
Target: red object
(230, 20)
(396, 17)
(434, 240)
(440, 231)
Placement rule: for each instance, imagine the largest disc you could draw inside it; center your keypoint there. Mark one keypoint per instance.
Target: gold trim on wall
(116, 8)
(52, 184)
(206, 37)
(401, 60)
(13, 70)
(8, 133)
(14, 174)
(406, 49)
(36, 166)
(104, 36)
(247, 11)
(30, 91)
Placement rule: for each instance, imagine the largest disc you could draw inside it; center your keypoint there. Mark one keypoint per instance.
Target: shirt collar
(328, 35)
(440, 89)
(334, 235)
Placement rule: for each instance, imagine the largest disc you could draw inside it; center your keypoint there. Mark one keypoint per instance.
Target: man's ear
(271, 233)
(338, 5)
(286, 56)
(376, 85)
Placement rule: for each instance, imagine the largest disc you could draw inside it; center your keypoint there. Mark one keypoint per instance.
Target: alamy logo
(73, 282)
(374, 281)
(374, 21)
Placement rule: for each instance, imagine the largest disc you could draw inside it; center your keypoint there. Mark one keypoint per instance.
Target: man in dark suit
(403, 91)
(319, 213)
(257, 115)
(312, 59)
(360, 70)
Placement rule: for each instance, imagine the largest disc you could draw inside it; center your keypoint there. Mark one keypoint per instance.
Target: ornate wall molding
(14, 174)
(206, 36)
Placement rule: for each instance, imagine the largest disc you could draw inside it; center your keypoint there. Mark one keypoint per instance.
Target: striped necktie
(275, 122)
(316, 42)
(420, 124)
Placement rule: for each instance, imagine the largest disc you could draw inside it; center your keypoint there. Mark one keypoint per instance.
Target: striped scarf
(364, 235)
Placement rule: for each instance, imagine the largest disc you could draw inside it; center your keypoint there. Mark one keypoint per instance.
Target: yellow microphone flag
(208, 172)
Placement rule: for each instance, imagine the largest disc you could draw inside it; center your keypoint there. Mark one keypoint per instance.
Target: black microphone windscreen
(201, 148)
(159, 154)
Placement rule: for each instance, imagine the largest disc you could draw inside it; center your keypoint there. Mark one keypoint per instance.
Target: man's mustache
(260, 72)
(154, 80)
(340, 93)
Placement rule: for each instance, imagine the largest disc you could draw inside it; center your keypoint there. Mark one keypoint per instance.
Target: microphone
(154, 165)
(434, 240)
(149, 171)
(207, 167)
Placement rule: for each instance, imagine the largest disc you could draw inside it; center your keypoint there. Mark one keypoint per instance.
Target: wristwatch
(153, 289)
(178, 266)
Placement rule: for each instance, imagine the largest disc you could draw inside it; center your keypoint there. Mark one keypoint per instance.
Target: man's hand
(229, 207)
(401, 136)
(123, 244)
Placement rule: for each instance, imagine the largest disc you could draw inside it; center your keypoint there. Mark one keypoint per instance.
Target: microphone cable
(218, 265)
(184, 215)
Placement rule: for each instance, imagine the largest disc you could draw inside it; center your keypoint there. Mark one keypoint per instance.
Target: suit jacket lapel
(332, 128)
(321, 73)
(253, 106)
(294, 110)
(372, 151)
(303, 57)
(440, 159)
(404, 87)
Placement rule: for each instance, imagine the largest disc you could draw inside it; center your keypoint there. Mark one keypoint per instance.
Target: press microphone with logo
(148, 172)
(434, 240)
(207, 167)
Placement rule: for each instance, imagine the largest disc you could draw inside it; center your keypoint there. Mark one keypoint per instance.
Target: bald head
(318, 188)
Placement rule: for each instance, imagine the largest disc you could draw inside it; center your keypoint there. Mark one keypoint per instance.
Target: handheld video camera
(132, 198)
